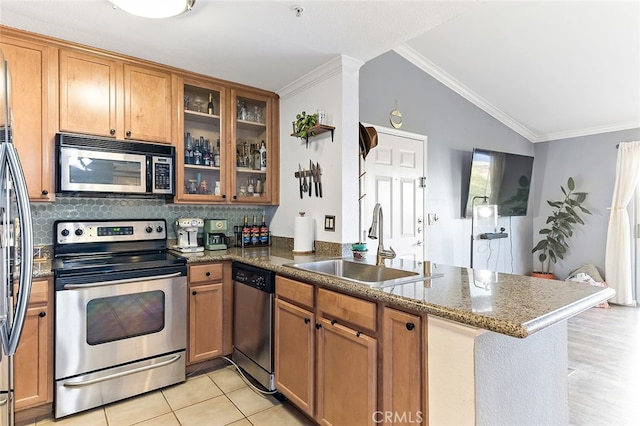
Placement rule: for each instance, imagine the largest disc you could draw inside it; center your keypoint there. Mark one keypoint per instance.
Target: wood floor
(604, 367)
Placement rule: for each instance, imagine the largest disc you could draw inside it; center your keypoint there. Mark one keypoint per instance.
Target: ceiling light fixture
(154, 8)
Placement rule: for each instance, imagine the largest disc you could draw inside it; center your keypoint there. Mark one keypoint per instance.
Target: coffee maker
(187, 235)
(214, 236)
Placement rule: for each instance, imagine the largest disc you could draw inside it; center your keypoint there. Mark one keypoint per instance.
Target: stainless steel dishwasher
(253, 301)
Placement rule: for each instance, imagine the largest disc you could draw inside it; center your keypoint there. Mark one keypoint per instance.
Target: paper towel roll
(303, 233)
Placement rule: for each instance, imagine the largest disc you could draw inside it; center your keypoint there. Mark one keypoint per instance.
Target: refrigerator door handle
(26, 248)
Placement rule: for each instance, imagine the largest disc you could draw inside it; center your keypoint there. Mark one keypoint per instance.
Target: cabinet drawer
(39, 291)
(295, 291)
(204, 273)
(358, 312)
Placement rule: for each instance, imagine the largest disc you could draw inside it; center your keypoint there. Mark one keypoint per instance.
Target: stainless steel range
(121, 321)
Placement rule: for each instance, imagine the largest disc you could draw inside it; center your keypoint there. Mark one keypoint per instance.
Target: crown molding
(445, 78)
(588, 131)
(335, 66)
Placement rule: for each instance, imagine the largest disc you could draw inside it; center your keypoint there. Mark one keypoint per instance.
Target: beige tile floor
(216, 398)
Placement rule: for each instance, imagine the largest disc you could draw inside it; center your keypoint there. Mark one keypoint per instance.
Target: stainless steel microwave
(92, 166)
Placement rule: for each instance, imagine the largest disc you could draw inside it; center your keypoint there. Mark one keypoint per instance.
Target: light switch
(329, 223)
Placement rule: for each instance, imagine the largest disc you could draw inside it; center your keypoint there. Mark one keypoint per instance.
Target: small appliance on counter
(214, 234)
(187, 235)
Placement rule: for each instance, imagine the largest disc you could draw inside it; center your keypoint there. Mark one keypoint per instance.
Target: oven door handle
(122, 373)
(124, 281)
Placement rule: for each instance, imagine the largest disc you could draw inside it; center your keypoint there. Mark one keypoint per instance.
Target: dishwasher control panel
(261, 279)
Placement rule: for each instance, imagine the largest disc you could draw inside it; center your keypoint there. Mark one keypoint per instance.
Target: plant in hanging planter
(559, 228)
(303, 123)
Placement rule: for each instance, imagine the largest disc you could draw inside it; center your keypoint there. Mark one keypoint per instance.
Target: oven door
(109, 323)
(100, 171)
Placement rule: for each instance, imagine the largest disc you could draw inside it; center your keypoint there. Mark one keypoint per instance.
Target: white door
(393, 176)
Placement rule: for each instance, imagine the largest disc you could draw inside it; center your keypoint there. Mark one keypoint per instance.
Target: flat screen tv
(503, 178)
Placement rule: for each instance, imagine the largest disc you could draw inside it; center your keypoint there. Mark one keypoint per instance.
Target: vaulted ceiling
(548, 70)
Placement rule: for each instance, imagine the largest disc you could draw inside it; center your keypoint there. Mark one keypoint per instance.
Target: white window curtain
(618, 263)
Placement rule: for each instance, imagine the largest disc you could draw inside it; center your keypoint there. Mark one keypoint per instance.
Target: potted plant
(559, 228)
(303, 123)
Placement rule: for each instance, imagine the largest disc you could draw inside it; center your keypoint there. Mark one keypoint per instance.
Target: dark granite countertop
(509, 304)
(513, 305)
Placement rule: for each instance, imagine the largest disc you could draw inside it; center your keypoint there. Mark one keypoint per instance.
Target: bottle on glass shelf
(244, 113)
(216, 154)
(188, 149)
(210, 105)
(246, 232)
(255, 231)
(206, 153)
(264, 231)
(197, 153)
(263, 156)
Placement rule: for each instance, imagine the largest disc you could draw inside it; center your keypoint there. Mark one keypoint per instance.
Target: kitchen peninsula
(497, 343)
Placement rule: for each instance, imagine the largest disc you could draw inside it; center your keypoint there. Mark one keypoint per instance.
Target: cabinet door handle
(235, 197)
(318, 326)
(224, 195)
(112, 132)
(333, 322)
(358, 334)
(307, 320)
(194, 292)
(208, 274)
(410, 326)
(45, 192)
(42, 314)
(128, 133)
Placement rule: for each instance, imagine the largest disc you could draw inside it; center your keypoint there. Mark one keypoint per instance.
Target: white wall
(333, 88)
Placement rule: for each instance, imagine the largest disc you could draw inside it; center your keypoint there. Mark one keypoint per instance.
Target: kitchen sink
(359, 272)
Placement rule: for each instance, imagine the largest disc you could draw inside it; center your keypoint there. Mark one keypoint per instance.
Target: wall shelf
(318, 129)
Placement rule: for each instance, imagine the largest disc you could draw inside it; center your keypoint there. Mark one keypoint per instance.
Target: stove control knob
(64, 232)
(79, 232)
(149, 229)
(159, 229)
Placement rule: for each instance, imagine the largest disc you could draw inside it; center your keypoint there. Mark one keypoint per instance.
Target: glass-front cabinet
(201, 174)
(253, 142)
(228, 152)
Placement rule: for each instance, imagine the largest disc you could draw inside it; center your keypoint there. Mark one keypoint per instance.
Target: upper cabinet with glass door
(201, 152)
(254, 142)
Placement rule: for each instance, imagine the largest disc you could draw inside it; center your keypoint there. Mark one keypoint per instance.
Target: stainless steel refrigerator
(16, 248)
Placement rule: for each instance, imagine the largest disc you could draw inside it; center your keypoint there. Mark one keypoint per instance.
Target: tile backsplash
(71, 208)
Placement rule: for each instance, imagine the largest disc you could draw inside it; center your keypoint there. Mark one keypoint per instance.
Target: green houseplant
(559, 227)
(303, 123)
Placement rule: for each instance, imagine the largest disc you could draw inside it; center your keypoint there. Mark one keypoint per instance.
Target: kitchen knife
(318, 181)
(300, 178)
(314, 174)
(312, 177)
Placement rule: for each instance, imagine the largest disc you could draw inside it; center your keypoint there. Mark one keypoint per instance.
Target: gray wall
(454, 127)
(591, 161)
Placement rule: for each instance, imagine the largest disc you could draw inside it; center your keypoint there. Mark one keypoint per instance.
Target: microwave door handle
(26, 247)
(123, 281)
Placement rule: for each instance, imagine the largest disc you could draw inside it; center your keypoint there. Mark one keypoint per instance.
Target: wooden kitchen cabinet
(404, 381)
(210, 304)
(325, 364)
(104, 97)
(295, 369)
(254, 123)
(33, 361)
(240, 140)
(32, 66)
(203, 176)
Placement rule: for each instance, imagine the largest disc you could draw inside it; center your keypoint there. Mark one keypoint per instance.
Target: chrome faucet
(375, 231)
